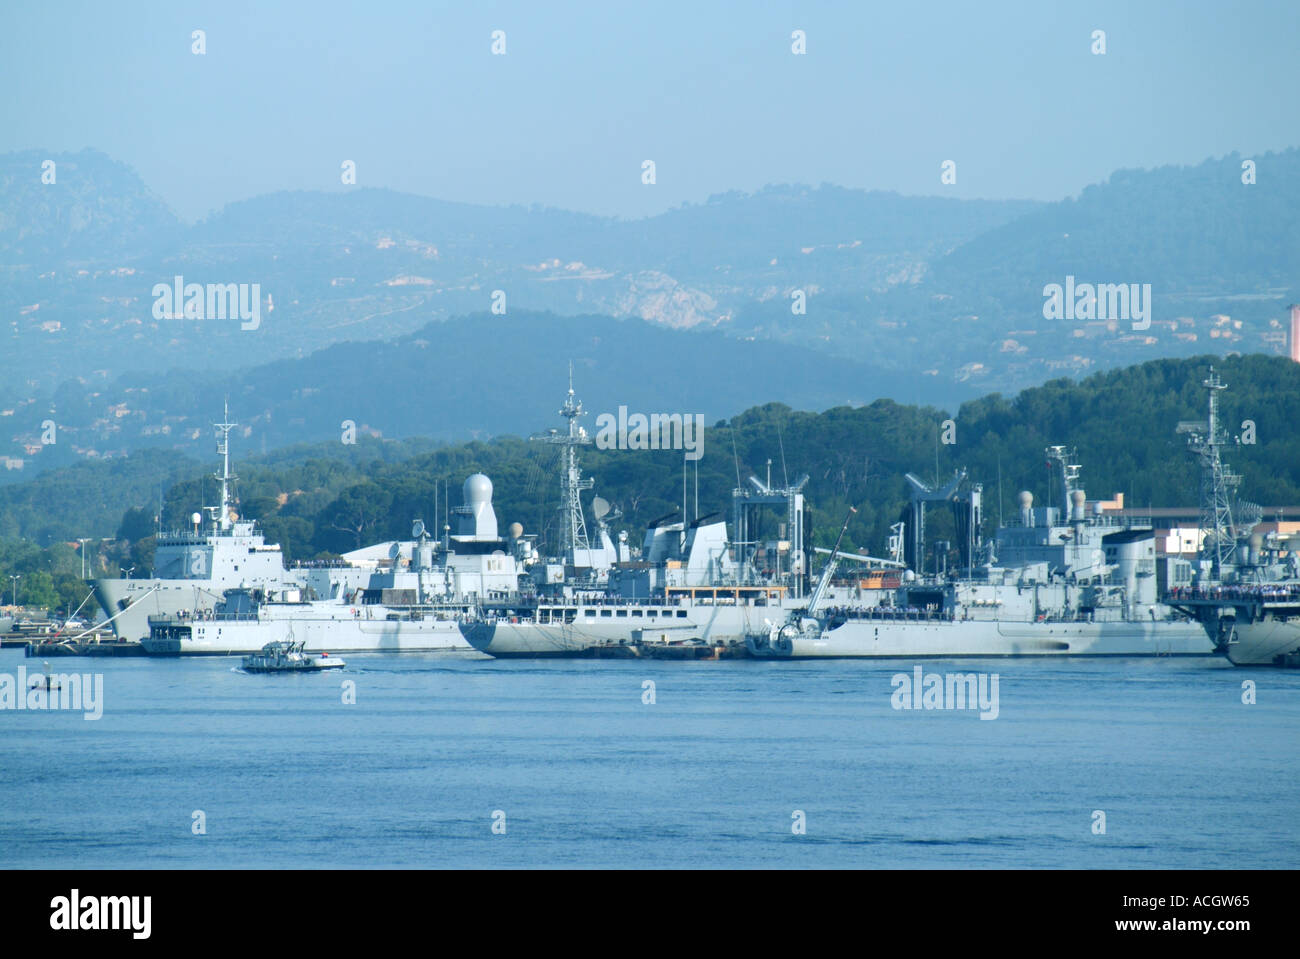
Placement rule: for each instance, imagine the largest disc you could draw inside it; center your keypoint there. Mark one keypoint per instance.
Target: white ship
(686, 587)
(246, 621)
(193, 568)
(411, 605)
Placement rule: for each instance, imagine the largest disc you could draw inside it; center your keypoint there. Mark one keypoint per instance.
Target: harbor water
(647, 764)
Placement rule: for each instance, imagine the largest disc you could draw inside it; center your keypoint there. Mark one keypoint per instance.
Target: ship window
(606, 613)
(636, 612)
(589, 612)
(681, 614)
(622, 613)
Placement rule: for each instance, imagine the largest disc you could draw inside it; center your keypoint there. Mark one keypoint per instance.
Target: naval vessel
(193, 568)
(1247, 592)
(689, 582)
(1051, 583)
(410, 604)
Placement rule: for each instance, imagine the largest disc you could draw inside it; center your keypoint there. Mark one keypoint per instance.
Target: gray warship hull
(890, 639)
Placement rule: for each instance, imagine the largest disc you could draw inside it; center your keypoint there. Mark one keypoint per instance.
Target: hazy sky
(586, 91)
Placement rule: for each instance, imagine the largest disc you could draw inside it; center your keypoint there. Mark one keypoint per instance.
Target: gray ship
(1247, 590)
(690, 583)
(1053, 582)
(193, 568)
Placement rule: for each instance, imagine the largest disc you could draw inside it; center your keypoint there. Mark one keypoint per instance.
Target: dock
(97, 644)
(673, 651)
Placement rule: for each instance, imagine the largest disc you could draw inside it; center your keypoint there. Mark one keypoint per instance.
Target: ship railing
(890, 614)
(1260, 593)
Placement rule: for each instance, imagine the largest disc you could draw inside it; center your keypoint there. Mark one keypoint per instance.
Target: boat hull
(1263, 642)
(143, 598)
(709, 624)
(946, 638)
(227, 638)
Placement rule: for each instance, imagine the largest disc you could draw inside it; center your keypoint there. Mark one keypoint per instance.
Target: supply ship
(1053, 582)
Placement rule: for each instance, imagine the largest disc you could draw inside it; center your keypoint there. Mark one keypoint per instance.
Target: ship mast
(1204, 440)
(222, 520)
(573, 530)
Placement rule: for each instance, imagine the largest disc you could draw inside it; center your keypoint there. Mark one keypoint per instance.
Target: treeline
(323, 500)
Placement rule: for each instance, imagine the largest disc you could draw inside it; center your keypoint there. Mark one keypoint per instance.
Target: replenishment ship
(690, 585)
(1051, 583)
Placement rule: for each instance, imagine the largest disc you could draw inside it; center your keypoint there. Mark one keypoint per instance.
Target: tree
(136, 524)
(356, 511)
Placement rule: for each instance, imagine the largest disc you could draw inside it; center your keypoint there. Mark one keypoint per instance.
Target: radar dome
(478, 489)
(196, 518)
(1025, 498)
(1078, 497)
(516, 530)
(477, 518)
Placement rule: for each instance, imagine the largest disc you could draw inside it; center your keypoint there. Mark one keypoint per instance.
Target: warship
(1062, 582)
(1246, 593)
(411, 604)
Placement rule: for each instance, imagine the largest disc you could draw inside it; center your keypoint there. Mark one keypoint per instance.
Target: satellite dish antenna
(417, 530)
(599, 507)
(395, 551)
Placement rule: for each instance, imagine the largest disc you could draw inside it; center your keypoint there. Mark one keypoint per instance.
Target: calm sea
(580, 771)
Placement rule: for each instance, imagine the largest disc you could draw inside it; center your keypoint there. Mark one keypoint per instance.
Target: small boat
(286, 656)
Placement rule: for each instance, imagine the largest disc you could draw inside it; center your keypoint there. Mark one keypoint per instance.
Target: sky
(585, 92)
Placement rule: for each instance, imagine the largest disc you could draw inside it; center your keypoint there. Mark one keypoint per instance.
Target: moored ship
(413, 605)
(193, 568)
(1051, 583)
